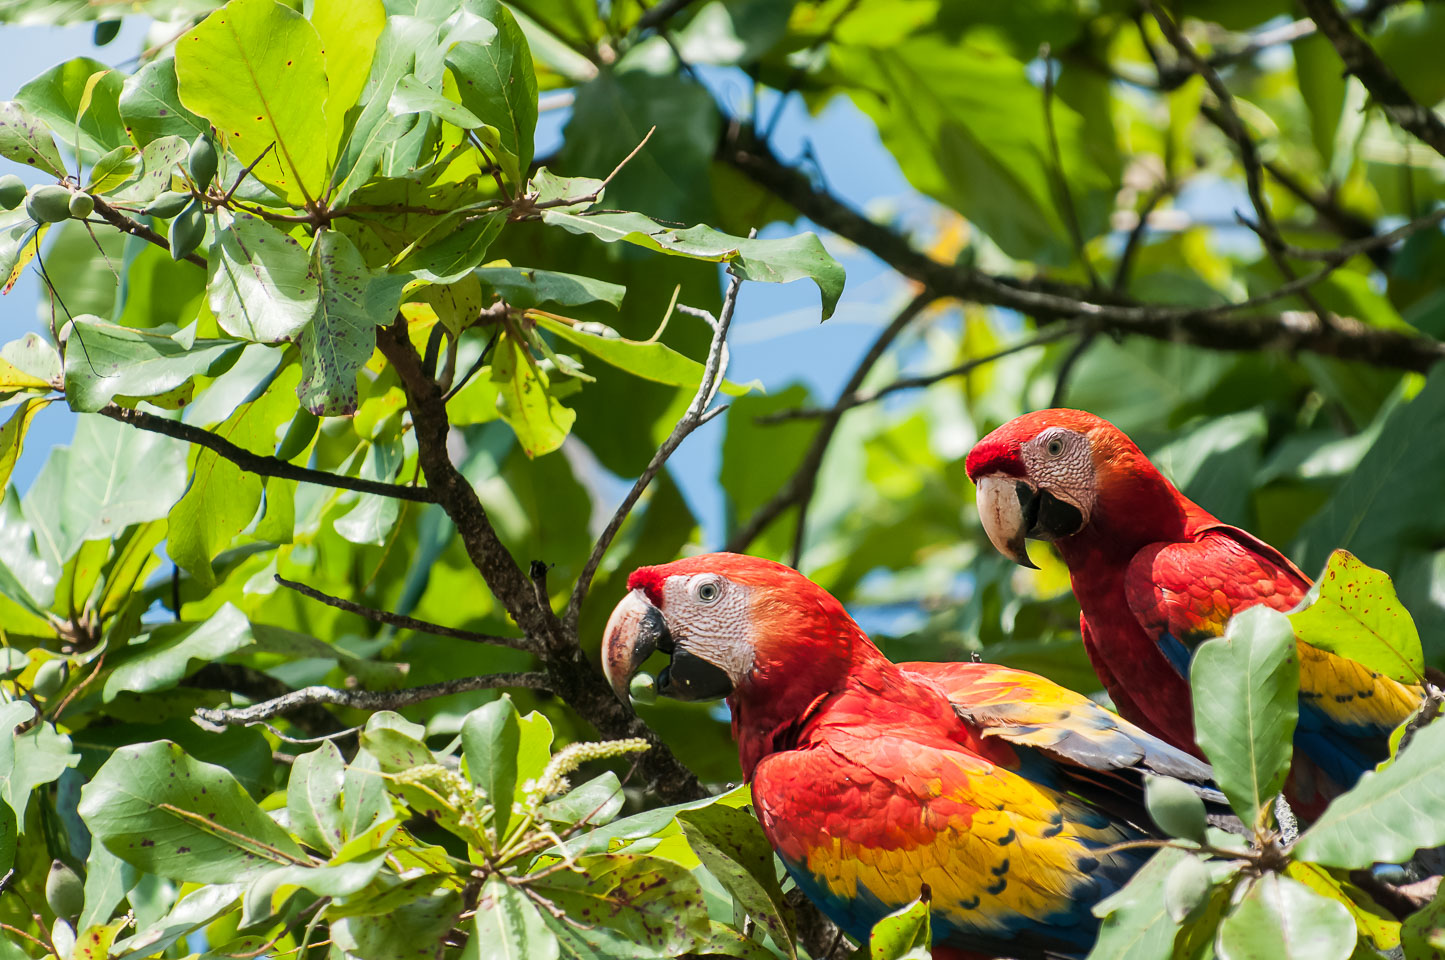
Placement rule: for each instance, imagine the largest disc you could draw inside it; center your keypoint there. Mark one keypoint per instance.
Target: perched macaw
(1155, 575)
(997, 790)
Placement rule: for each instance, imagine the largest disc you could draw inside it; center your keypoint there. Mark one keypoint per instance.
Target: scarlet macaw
(998, 789)
(1155, 575)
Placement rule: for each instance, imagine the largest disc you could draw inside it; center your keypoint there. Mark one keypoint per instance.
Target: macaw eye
(707, 591)
(1055, 447)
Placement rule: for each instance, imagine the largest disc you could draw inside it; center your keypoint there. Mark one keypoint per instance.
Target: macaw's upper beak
(637, 628)
(1012, 510)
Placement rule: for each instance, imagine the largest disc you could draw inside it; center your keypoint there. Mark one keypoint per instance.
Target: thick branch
(1210, 327)
(1362, 61)
(258, 464)
(403, 621)
(366, 699)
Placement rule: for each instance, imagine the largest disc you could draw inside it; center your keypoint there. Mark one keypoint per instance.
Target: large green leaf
(38, 755)
(25, 139)
(176, 817)
(1246, 703)
(526, 400)
(256, 71)
(151, 108)
(1136, 919)
(731, 845)
(1423, 933)
(769, 261)
(348, 31)
(650, 360)
(1389, 814)
(524, 288)
(1352, 610)
(621, 905)
(262, 286)
(314, 797)
(491, 736)
(407, 932)
(1282, 919)
(509, 927)
(170, 649)
(12, 435)
(108, 879)
(496, 83)
(121, 361)
(78, 99)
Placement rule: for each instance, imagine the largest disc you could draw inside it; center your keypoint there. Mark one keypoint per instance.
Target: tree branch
(402, 620)
(126, 224)
(1213, 327)
(366, 699)
(256, 463)
(1362, 61)
(714, 369)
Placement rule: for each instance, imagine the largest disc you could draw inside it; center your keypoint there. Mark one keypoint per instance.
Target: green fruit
(12, 191)
(1176, 808)
(64, 891)
(50, 678)
(1186, 888)
(188, 230)
(298, 435)
(168, 204)
(202, 161)
(48, 203)
(643, 688)
(105, 31)
(82, 205)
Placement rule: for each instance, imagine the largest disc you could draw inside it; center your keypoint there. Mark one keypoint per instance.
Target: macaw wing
(1067, 727)
(864, 821)
(1184, 593)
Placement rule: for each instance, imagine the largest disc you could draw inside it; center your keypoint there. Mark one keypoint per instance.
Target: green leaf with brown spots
(625, 906)
(731, 845)
(901, 933)
(1352, 610)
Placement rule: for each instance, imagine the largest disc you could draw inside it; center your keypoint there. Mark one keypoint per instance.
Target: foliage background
(1004, 155)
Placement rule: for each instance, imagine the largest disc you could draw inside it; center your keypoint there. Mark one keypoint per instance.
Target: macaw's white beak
(1004, 504)
(635, 629)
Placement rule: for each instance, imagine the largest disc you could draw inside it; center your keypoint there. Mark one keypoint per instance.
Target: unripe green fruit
(167, 205)
(64, 891)
(82, 205)
(50, 678)
(106, 31)
(188, 230)
(643, 688)
(202, 161)
(12, 191)
(1176, 808)
(298, 435)
(48, 203)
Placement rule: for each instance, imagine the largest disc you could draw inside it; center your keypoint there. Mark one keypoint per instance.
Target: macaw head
(1054, 474)
(751, 630)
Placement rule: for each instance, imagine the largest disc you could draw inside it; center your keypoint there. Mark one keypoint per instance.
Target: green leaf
(176, 817)
(1389, 814)
(731, 845)
(151, 108)
(19, 240)
(901, 932)
(255, 70)
(12, 435)
(451, 254)
(108, 879)
(598, 800)
(1136, 919)
(412, 95)
(1246, 703)
(653, 361)
(122, 361)
(509, 927)
(266, 893)
(723, 941)
(621, 905)
(635, 827)
(78, 99)
(523, 288)
(314, 797)
(769, 261)
(491, 737)
(363, 798)
(159, 162)
(171, 647)
(497, 84)
(348, 31)
(191, 912)
(25, 139)
(1423, 933)
(342, 337)
(1282, 919)
(1373, 922)
(27, 760)
(412, 930)
(261, 286)
(1352, 610)
(525, 400)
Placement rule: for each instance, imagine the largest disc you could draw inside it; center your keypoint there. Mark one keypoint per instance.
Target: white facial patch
(1059, 460)
(708, 614)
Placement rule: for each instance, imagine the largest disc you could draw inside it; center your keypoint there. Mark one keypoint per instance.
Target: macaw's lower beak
(637, 628)
(1013, 510)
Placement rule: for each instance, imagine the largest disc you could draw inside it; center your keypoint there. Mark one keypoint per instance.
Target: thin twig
(225, 200)
(262, 465)
(1136, 237)
(524, 208)
(714, 370)
(402, 620)
(660, 14)
(365, 699)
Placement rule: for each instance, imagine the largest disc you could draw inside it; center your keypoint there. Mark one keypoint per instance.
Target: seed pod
(64, 891)
(1175, 808)
(82, 205)
(50, 678)
(202, 161)
(188, 230)
(168, 204)
(105, 31)
(298, 435)
(12, 191)
(1186, 888)
(643, 688)
(48, 203)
